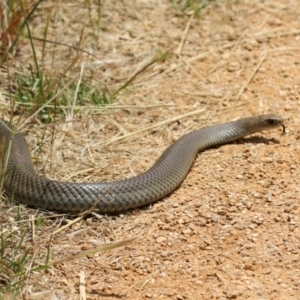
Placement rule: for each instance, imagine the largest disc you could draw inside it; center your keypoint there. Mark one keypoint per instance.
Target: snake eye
(271, 121)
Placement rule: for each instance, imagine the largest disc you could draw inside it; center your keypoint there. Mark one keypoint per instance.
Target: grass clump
(14, 257)
(50, 98)
(190, 7)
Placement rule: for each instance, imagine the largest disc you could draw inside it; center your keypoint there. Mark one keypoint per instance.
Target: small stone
(252, 226)
(169, 218)
(288, 209)
(248, 204)
(164, 253)
(232, 209)
(186, 231)
(234, 66)
(195, 274)
(161, 239)
(277, 219)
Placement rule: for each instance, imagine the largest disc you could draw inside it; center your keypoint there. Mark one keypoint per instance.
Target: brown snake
(23, 184)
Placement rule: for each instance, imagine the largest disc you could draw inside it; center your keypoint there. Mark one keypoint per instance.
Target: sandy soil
(231, 231)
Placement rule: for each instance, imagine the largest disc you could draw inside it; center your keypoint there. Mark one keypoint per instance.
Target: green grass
(35, 91)
(190, 7)
(35, 88)
(49, 95)
(95, 21)
(51, 98)
(14, 255)
(14, 258)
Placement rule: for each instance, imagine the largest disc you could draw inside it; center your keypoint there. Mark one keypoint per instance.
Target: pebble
(288, 209)
(187, 231)
(161, 239)
(234, 66)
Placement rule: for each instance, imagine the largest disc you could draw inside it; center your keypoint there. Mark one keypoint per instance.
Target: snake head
(273, 121)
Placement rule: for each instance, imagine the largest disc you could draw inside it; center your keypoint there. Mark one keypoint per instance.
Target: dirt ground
(232, 229)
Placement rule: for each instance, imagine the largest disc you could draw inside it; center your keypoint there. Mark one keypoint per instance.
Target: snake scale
(23, 184)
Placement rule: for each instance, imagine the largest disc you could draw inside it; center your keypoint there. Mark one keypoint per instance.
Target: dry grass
(232, 229)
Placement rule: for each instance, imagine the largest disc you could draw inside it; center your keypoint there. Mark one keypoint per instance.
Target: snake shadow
(255, 140)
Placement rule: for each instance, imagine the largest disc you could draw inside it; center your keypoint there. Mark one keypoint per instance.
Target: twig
(82, 291)
(186, 30)
(154, 126)
(251, 76)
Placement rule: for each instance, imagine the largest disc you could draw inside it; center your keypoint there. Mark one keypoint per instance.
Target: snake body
(23, 184)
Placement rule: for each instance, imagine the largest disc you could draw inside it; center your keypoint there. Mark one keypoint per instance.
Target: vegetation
(48, 95)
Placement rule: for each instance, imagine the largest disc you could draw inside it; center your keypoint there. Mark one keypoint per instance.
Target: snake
(20, 181)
